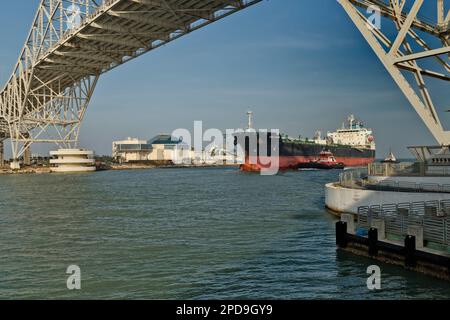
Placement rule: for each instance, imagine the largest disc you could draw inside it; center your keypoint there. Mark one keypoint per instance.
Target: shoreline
(45, 170)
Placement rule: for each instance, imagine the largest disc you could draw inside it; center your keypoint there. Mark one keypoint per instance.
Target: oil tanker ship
(352, 145)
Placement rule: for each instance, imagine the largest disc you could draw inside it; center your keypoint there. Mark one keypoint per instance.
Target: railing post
(417, 233)
(349, 220)
(402, 222)
(446, 239)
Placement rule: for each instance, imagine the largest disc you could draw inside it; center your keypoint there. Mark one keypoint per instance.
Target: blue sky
(300, 65)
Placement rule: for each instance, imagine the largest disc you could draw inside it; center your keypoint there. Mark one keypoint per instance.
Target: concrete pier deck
(427, 261)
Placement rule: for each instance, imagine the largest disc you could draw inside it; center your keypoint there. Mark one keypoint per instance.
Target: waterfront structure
(162, 148)
(402, 209)
(168, 148)
(71, 44)
(131, 149)
(72, 160)
(391, 183)
(418, 238)
(165, 149)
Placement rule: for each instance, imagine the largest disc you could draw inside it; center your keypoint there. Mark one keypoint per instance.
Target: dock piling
(373, 242)
(410, 251)
(341, 234)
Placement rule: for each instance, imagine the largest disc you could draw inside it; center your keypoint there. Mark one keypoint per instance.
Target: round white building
(72, 160)
(392, 184)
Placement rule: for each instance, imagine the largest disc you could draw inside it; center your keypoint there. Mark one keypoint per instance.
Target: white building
(130, 150)
(72, 160)
(161, 149)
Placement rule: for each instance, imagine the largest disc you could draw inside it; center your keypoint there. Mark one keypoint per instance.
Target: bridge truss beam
(72, 43)
(406, 54)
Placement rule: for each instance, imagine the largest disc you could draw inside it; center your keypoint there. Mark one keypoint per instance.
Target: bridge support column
(27, 156)
(15, 164)
(2, 157)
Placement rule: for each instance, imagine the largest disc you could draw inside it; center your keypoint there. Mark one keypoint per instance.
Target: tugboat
(326, 160)
(390, 158)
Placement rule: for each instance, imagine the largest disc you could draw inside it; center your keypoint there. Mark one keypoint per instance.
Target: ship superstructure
(355, 135)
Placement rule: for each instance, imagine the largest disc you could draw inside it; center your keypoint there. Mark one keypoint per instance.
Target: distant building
(161, 149)
(131, 150)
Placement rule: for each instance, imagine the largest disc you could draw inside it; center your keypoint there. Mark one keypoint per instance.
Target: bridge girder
(72, 43)
(405, 50)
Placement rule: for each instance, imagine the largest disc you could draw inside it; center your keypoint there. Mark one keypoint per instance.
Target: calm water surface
(183, 234)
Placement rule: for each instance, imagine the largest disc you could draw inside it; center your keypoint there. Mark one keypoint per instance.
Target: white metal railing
(398, 169)
(360, 179)
(392, 185)
(353, 177)
(407, 169)
(432, 216)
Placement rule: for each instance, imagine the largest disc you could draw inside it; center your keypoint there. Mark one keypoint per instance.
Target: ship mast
(250, 120)
(351, 119)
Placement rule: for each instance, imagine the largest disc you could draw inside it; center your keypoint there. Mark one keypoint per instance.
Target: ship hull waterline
(256, 164)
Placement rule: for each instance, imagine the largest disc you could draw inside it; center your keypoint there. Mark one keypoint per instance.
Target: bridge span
(72, 43)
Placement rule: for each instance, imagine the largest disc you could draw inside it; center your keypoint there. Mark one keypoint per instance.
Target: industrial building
(161, 149)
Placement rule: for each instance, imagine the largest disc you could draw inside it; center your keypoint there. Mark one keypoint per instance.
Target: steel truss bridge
(72, 42)
(413, 49)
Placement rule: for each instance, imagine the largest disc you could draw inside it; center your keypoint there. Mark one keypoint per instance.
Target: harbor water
(214, 233)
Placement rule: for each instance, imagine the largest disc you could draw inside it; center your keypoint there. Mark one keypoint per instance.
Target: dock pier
(417, 242)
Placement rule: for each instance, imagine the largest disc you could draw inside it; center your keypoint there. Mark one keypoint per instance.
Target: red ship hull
(255, 164)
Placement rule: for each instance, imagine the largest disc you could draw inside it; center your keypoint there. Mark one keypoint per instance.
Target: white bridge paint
(340, 199)
(401, 51)
(72, 43)
(73, 160)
